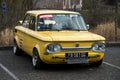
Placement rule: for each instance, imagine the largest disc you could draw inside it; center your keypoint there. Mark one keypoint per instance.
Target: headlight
(53, 48)
(98, 47)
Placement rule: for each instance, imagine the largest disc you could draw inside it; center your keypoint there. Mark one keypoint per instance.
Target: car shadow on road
(54, 67)
(67, 67)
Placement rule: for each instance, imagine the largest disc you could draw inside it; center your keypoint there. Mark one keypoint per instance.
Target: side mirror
(20, 22)
(88, 26)
(25, 24)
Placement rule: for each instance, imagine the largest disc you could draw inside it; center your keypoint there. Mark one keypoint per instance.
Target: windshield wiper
(75, 29)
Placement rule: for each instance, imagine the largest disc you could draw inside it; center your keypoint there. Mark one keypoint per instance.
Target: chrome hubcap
(14, 49)
(34, 60)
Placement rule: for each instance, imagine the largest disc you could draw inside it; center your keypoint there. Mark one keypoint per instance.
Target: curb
(112, 44)
(6, 47)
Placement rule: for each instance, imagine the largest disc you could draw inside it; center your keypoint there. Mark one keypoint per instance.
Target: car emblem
(77, 45)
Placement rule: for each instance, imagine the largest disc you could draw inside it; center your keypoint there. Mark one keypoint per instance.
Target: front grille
(75, 48)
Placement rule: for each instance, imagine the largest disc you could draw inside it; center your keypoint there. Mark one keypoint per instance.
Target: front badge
(77, 44)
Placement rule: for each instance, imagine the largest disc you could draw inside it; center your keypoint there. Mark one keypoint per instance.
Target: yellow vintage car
(58, 37)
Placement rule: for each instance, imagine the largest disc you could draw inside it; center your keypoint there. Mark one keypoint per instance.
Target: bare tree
(70, 4)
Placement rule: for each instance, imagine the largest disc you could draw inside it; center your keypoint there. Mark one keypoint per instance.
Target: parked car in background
(58, 37)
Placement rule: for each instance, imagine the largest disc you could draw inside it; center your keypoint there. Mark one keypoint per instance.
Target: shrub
(6, 37)
(107, 30)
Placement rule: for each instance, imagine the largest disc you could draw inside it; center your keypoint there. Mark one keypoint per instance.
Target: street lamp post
(116, 19)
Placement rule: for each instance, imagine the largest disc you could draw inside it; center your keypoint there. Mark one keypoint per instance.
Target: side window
(40, 24)
(26, 21)
(32, 22)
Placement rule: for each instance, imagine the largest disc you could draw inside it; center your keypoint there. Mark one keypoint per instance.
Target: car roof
(38, 12)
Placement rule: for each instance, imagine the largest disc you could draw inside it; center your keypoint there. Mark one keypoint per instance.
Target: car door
(25, 25)
(29, 38)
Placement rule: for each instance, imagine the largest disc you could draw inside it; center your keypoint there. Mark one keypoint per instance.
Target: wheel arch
(38, 49)
(39, 52)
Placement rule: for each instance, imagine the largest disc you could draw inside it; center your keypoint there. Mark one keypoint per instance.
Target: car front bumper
(60, 58)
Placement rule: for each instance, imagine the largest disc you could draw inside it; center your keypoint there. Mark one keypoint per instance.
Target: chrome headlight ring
(52, 48)
(98, 47)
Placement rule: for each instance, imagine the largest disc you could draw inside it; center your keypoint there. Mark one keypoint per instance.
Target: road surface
(20, 68)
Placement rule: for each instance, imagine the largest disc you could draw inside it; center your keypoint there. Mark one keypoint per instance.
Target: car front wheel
(36, 61)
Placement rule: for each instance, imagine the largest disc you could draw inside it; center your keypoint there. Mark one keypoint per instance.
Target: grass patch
(6, 37)
(108, 31)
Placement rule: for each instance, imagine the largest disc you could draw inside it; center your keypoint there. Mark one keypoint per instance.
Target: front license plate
(76, 55)
(77, 58)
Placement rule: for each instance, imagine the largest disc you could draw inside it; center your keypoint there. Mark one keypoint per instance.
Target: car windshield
(60, 22)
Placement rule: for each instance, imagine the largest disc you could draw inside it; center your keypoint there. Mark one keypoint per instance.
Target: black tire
(16, 49)
(36, 61)
(97, 64)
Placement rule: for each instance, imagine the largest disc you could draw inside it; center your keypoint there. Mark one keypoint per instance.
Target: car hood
(71, 36)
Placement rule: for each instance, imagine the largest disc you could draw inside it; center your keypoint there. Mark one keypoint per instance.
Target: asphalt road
(20, 68)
